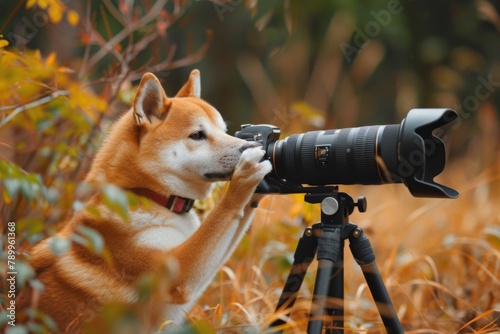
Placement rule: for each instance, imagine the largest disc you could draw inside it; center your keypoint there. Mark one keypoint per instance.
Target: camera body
(267, 135)
(406, 153)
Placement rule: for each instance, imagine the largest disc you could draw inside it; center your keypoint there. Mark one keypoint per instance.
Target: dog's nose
(249, 144)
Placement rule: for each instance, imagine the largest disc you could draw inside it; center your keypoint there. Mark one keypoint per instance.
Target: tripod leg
(304, 255)
(363, 254)
(336, 312)
(328, 255)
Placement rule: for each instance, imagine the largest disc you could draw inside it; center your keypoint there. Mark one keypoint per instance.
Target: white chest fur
(163, 230)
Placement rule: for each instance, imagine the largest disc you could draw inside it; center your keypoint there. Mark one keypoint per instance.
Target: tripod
(326, 240)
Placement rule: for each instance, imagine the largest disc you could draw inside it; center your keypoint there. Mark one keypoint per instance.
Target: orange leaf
(124, 8)
(51, 59)
(6, 196)
(86, 38)
(30, 3)
(65, 70)
(43, 4)
(55, 12)
(73, 17)
(161, 26)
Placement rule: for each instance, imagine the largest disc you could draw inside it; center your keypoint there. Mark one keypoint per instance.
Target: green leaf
(15, 179)
(37, 284)
(24, 273)
(30, 190)
(89, 238)
(18, 329)
(115, 195)
(59, 245)
(28, 227)
(264, 8)
(43, 124)
(36, 328)
(93, 211)
(116, 200)
(12, 186)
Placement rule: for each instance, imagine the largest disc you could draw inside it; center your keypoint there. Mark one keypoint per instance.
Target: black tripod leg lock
(361, 247)
(329, 244)
(362, 252)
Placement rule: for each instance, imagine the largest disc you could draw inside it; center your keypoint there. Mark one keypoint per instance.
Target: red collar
(173, 203)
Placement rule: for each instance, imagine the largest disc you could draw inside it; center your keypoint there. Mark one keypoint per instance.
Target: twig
(150, 16)
(86, 56)
(133, 50)
(114, 11)
(21, 108)
(97, 39)
(169, 64)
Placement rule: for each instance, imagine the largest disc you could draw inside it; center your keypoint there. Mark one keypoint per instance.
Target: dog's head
(170, 144)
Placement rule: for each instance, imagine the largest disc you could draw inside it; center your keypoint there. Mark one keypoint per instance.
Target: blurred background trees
(300, 66)
(68, 68)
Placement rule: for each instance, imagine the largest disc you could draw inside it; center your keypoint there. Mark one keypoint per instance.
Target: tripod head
(346, 201)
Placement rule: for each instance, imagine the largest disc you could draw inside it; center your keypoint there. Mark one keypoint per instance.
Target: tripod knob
(362, 204)
(329, 206)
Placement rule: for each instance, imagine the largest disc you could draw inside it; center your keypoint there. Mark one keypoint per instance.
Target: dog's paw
(250, 170)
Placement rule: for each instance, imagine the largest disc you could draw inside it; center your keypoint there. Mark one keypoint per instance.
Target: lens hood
(422, 154)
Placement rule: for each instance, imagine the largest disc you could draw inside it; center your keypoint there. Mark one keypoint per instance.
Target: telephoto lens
(406, 153)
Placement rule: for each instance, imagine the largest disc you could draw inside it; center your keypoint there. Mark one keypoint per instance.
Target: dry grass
(440, 260)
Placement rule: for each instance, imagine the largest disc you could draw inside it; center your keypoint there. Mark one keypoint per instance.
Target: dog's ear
(192, 88)
(149, 100)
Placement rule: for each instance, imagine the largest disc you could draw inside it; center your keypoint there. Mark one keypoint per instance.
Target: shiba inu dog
(170, 151)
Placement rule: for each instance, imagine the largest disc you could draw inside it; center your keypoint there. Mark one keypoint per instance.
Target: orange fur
(151, 146)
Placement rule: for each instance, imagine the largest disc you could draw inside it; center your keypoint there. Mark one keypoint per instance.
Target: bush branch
(20, 108)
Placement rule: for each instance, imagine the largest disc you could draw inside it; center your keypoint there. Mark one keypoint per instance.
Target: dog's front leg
(244, 224)
(202, 255)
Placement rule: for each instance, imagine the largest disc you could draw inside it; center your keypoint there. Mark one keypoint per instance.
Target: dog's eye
(198, 135)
